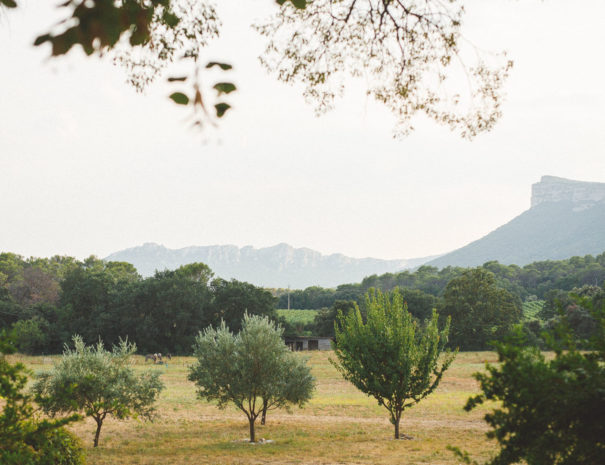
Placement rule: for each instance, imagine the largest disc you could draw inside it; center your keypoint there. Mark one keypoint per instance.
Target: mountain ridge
(280, 265)
(566, 218)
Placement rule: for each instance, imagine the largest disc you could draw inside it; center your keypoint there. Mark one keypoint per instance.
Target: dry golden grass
(339, 426)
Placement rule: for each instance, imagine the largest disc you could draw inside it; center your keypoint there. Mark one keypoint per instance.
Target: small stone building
(296, 343)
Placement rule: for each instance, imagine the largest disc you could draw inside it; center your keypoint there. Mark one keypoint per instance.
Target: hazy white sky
(87, 166)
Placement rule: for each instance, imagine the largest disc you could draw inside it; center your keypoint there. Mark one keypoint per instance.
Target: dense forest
(44, 301)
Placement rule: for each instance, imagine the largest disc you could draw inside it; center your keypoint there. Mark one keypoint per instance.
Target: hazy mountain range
(279, 266)
(566, 218)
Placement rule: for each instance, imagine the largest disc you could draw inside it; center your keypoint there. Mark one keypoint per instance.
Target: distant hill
(566, 218)
(277, 266)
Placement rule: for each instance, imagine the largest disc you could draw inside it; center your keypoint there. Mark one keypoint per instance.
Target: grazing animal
(151, 357)
(169, 356)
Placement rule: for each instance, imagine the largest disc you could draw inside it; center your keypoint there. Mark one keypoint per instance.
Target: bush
(24, 438)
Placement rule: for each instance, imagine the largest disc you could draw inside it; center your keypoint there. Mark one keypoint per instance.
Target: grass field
(339, 426)
(298, 317)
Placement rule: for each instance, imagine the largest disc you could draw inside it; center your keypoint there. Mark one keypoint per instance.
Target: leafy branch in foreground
(551, 411)
(24, 438)
(409, 52)
(390, 356)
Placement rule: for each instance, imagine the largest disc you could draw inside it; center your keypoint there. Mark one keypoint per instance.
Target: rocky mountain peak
(554, 189)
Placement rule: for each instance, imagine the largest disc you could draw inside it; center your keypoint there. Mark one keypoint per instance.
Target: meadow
(297, 317)
(340, 425)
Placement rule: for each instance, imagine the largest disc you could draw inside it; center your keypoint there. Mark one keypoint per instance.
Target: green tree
(232, 299)
(164, 313)
(30, 335)
(198, 272)
(254, 369)
(24, 438)
(390, 356)
(87, 300)
(480, 310)
(550, 411)
(325, 318)
(98, 383)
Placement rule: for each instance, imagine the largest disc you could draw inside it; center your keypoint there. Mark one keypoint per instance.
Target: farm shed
(309, 343)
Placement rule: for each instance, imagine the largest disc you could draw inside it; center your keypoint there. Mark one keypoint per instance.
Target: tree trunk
(98, 433)
(252, 436)
(396, 423)
(264, 414)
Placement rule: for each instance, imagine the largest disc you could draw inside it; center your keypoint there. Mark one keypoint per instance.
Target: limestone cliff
(553, 189)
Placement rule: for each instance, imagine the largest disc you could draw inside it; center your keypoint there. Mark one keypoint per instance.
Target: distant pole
(288, 297)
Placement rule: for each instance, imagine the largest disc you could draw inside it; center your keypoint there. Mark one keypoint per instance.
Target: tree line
(485, 303)
(46, 301)
(535, 279)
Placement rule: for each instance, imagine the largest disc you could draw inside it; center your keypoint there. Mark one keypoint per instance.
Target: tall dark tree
(480, 310)
(165, 312)
(232, 299)
(326, 317)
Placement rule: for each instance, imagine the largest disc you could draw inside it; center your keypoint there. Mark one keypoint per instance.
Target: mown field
(297, 317)
(531, 309)
(339, 426)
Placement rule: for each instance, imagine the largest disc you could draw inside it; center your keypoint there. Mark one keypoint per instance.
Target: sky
(89, 166)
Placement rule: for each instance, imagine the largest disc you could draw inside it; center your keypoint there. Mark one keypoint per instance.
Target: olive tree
(253, 369)
(390, 356)
(98, 383)
(294, 386)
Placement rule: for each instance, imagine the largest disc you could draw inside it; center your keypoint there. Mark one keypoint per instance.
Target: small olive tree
(254, 369)
(98, 383)
(390, 356)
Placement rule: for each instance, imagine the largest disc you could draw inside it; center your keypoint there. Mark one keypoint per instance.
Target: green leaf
(300, 4)
(180, 98)
(170, 18)
(224, 87)
(221, 108)
(41, 39)
(8, 3)
(179, 78)
(223, 66)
